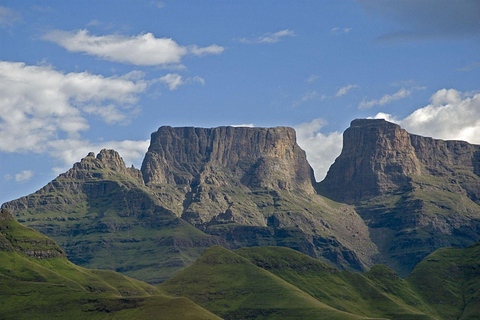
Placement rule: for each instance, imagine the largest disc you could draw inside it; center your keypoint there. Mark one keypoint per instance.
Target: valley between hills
(230, 223)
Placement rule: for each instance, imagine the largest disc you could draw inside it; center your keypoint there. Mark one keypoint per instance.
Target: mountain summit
(415, 193)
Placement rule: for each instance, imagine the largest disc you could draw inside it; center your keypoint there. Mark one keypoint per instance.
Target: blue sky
(78, 76)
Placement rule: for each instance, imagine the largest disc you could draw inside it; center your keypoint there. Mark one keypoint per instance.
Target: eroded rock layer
(416, 194)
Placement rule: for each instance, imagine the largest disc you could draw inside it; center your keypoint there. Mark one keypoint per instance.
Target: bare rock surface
(416, 193)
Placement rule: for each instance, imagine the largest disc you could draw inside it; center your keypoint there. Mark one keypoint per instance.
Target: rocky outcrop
(258, 157)
(107, 162)
(252, 186)
(377, 158)
(416, 194)
(380, 158)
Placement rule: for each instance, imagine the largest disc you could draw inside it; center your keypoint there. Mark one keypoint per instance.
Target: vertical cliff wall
(258, 157)
(415, 193)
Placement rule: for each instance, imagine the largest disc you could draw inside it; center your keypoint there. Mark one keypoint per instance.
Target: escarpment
(415, 193)
(391, 197)
(257, 157)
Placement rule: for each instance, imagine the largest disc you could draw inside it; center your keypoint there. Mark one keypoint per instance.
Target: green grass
(449, 279)
(54, 288)
(378, 293)
(234, 288)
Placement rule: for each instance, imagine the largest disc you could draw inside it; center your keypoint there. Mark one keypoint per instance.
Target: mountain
(252, 186)
(416, 194)
(391, 198)
(38, 282)
(197, 187)
(104, 217)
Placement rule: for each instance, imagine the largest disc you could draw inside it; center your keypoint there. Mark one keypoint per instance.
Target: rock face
(258, 157)
(416, 194)
(377, 158)
(252, 186)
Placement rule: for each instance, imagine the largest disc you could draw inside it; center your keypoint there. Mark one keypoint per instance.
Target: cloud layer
(140, 50)
(344, 90)
(44, 110)
(24, 176)
(388, 98)
(174, 80)
(8, 17)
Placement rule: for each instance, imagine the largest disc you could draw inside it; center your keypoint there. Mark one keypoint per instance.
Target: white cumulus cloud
(321, 149)
(451, 115)
(40, 104)
(141, 50)
(44, 111)
(24, 176)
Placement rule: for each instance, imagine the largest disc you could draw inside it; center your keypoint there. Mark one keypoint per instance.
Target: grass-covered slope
(449, 280)
(377, 293)
(104, 217)
(232, 287)
(38, 282)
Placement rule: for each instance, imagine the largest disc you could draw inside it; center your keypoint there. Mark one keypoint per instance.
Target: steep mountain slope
(416, 194)
(38, 282)
(104, 217)
(252, 186)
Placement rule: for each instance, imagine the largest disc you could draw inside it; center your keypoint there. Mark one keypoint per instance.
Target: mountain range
(390, 198)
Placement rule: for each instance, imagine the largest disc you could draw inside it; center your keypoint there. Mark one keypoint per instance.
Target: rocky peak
(258, 157)
(377, 157)
(91, 166)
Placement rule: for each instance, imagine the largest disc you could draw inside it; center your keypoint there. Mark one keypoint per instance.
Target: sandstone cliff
(415, 193)
(258, 157)
(252, 186)
(237, 186)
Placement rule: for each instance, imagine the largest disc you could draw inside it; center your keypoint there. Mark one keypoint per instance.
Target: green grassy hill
(232, 287)
(38, 282)
(280, 283)
(377, 293)
(449, 280)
